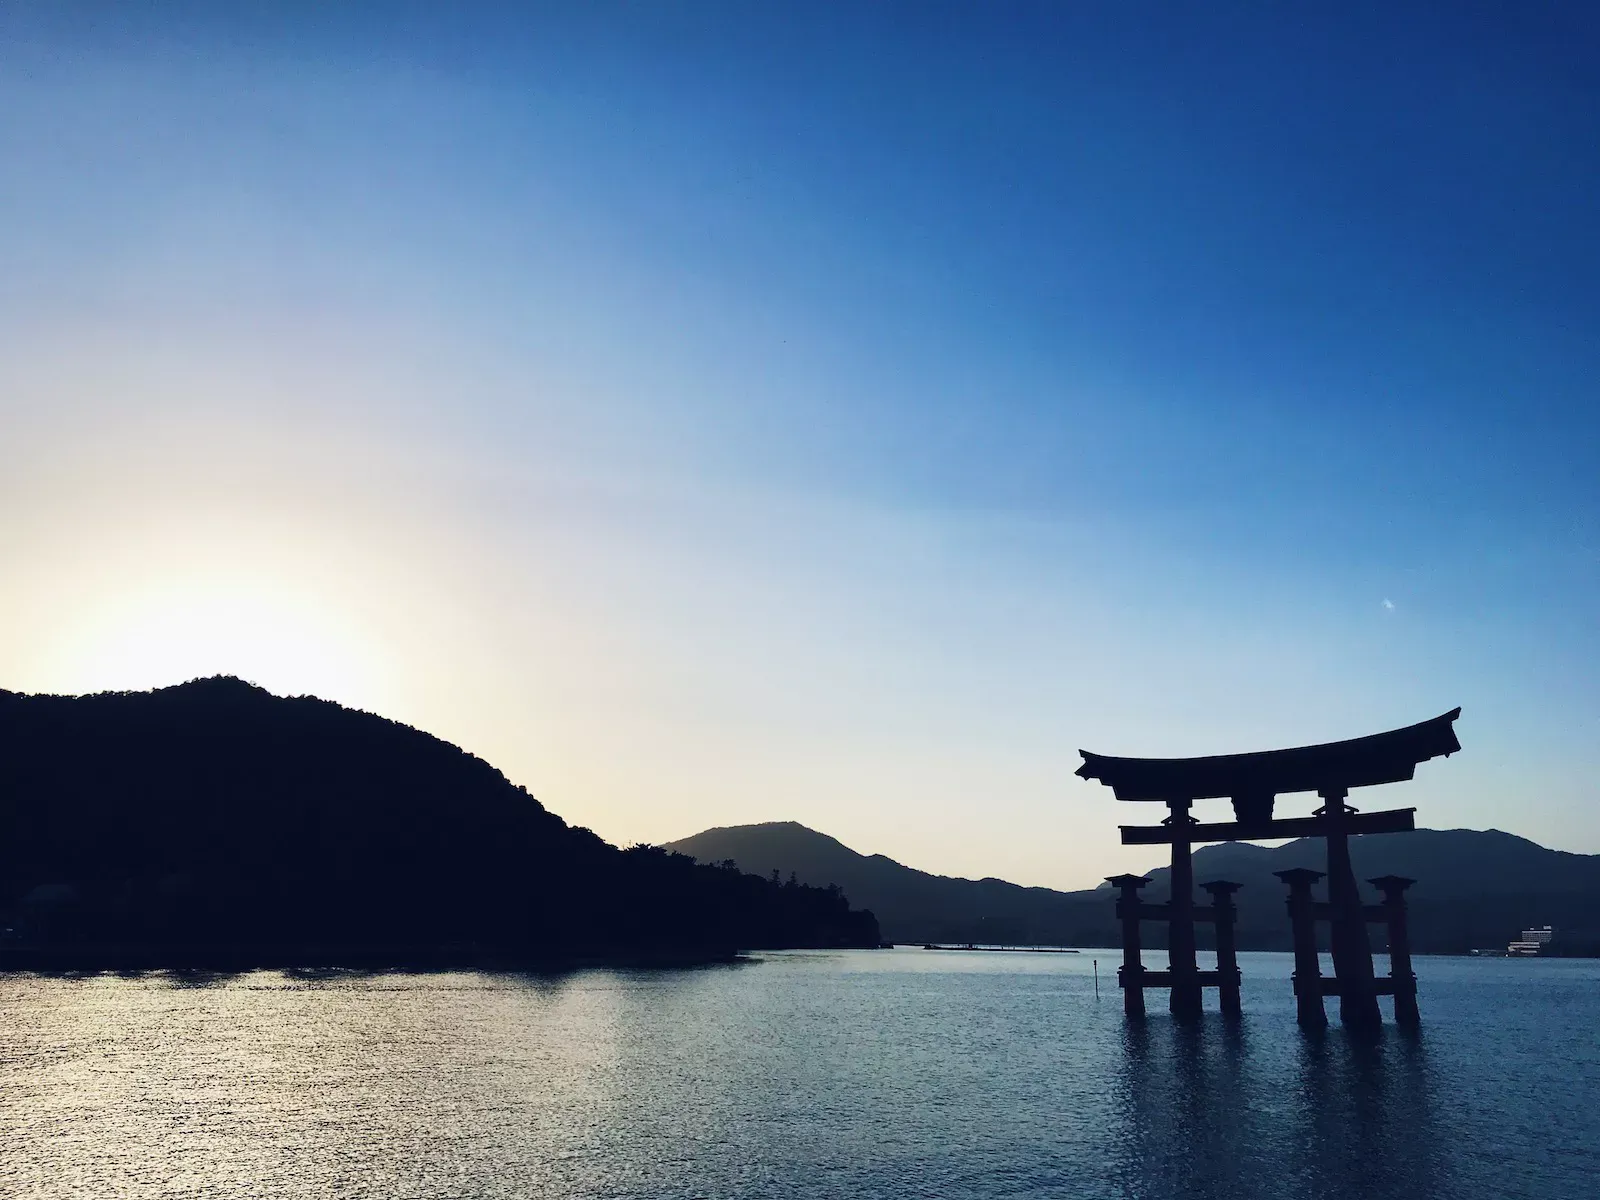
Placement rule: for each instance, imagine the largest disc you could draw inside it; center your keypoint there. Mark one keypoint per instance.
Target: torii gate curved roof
(1389, 757)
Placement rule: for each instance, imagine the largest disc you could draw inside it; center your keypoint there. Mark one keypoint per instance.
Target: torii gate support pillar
(1307, 970)
(1402, 978)
(1223, 915)
(1131, 977)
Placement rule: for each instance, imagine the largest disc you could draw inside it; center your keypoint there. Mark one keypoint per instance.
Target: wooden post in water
(1402, 977)
(1223, 915)
(1307, 972)
(1131, 976)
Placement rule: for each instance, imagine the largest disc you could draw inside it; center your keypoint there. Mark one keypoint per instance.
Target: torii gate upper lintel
(1253, 782)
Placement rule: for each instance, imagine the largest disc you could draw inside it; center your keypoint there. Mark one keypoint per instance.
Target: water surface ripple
(860, 1074)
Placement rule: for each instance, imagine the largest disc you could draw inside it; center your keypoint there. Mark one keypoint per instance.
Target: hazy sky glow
(713, 414)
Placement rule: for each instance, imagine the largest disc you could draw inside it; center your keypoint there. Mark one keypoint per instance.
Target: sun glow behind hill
(189, 628)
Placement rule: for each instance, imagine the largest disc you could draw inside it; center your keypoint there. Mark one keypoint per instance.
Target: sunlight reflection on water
(903, 1073)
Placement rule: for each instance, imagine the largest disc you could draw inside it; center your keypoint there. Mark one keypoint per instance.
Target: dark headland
(214, 825)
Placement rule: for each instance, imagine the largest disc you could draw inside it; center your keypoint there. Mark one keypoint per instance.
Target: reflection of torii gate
(1252, 782)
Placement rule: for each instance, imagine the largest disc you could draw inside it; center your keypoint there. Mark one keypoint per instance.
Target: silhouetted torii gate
(1253, 782)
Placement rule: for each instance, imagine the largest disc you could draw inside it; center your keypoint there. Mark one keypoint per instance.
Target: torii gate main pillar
(1352, 951)
(1184, 996)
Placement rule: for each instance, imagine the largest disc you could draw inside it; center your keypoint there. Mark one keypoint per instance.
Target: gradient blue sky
(720, 413)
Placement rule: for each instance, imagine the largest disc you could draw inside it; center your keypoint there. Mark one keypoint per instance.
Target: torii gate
(1252, 782)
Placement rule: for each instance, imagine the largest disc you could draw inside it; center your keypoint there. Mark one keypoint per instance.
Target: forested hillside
(216, 817)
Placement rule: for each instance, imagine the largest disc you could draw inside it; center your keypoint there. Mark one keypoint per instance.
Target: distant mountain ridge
(1475, 888)
(911, 905)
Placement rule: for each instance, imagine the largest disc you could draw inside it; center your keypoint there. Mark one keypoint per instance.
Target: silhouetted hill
(215, 815)
(1474, 889)
(911, 905)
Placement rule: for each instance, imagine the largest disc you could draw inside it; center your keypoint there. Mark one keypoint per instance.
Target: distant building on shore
(1531, 943)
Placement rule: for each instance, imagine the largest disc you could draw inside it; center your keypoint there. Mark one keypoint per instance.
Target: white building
(1532, 941)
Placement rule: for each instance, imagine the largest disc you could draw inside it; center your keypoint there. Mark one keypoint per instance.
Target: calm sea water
(902, 1073)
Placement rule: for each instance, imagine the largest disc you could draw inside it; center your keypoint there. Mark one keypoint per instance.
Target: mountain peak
(218, 685)
(789, 830)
